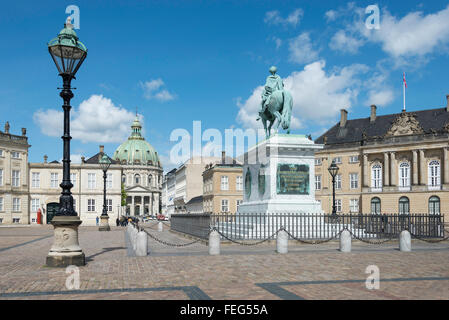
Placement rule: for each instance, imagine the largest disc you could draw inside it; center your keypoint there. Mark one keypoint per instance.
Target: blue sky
(181, 61)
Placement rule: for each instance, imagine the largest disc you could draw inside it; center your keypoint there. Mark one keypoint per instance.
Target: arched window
(123, 178)
(434, 174)
(137, 179)
(376, 176)
(150, 180)
(404, 205)
(404, 175)
(375, 206)
(434, 205)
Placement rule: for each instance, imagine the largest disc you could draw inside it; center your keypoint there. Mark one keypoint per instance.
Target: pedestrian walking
(98, 219)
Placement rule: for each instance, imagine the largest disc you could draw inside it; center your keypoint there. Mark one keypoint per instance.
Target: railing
(310, 226)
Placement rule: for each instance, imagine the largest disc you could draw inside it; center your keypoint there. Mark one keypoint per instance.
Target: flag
(405, 82)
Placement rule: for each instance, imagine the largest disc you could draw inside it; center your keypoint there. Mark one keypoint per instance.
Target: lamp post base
(104, 224)
(65, 250)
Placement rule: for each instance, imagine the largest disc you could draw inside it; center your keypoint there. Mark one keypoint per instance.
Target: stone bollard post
(345, 241)
(282, 242)
(214, 243)
(160, 227)
(405, 241)
(141, 244)
(134, 233)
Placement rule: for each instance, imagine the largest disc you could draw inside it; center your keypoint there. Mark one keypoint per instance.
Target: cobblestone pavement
(253, 273)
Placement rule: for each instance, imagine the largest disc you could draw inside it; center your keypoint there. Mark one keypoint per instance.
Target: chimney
(344, 118)
(24, 132)
(447, 106)
(373, 113)
(223, 157)
(82, 159)
(7, 127)
(45, 158)
(101, 149)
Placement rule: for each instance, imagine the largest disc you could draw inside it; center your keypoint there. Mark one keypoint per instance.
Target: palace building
(396, 163)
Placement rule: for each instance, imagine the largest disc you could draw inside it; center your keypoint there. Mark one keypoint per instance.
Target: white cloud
(96, 119)
(274, 17)
(344, 42)
(379, 93)
(301, 49)
(75, 158)
(151, 87)
(331, 15)
(317, 95)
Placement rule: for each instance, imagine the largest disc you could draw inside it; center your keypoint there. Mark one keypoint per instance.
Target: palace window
(318, 162)
(16, 204)
(375, 206)
(53, 180)
(318, 182)
(434, 174)
(338, 182)
(109, 205)
(109, 180)
(1, 204)
(15, 178)
(123, 178)
(137, 179)
(354, 205)
(224, 183)
(354, 159)
(337, 160)
(35, 205)
(91, 181)
(376, 176)
(15, 155)
(35, 180)
(338, 205)
(90, 205)
(354, 180)
(239, 182)
(224, 205)
(1, 153)
(150, 180)
(404, 205)
(404, 175)
(239, 202)
(1, 177)
(434, 205)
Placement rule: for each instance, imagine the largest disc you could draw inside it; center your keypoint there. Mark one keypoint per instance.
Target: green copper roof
(67, 38)
(136, 150)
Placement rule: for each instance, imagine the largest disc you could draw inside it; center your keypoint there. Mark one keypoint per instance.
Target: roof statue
(277, 104)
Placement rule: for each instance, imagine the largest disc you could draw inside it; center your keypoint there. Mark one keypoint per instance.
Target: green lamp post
(105, 163)
(333, 171)
(68, 54)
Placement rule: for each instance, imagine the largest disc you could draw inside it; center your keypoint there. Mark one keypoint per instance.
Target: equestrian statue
(277, 104)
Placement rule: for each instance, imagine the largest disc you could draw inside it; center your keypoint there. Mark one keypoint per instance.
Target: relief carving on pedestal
(405, 124)
(446, 127)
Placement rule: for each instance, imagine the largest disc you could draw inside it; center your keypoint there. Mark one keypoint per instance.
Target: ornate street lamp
(333, 170)
(68, 53)
(105, 163)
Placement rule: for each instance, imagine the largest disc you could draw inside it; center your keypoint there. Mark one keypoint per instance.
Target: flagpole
(403, 86)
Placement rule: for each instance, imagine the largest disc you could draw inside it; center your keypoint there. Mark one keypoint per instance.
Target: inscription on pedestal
(292, 179)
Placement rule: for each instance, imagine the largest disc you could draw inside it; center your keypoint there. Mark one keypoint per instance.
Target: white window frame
(35, 180)
(225, 205)
(354, 159)
(338, 182)
(109, 205)
(404, 176)
(354, 205)
(224, 183)
(15, 177)
(318, 184)
(54, 178)
(239, 183)
(137, 179)
(1, 204)
(73, 179)
(1, 153)
(16, 204)
(376, 177)
(337, 160)
(109, 179)
(338, 205)
(1, 177)
(434, 175)
(15, 155)
(354, 181)
(238, 203)
(318, 162)
(35, 205)
(91, 181)
(90, 205)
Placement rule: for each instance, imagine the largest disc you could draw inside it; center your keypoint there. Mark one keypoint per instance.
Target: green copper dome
(136, 150)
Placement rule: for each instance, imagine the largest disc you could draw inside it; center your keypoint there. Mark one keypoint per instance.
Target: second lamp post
(333, 170)
(105, 163)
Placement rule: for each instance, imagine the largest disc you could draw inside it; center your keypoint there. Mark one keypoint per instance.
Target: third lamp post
(105, 163)
(333, 170)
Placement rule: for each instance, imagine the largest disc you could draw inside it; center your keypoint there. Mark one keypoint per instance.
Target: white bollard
(282, 242)
(134, 233)
(214, 243)
(405, 241)
(345, 241)
(160, 227)
(141, 244)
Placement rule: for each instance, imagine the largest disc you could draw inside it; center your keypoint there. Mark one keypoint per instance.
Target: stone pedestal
(65, 250)
(104, 223)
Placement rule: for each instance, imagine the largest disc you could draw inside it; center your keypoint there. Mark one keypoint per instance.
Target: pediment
(405, 125)
(137, 189)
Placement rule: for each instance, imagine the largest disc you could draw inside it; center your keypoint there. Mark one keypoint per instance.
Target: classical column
(415, 167)
(422, 168)
(131, 212)
(446, 165)
(387, 170)
(365, 171)
(150, 204)
(393, 179)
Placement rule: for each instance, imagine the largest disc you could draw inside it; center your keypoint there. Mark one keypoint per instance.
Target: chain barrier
(313, 242)
(244, 243)
(430, 240)
(174, 244)
(369, 241)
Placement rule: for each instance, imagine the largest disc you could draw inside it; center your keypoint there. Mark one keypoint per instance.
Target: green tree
(124, 195)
